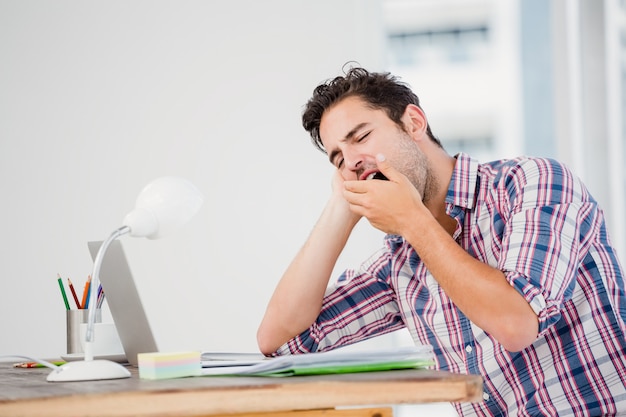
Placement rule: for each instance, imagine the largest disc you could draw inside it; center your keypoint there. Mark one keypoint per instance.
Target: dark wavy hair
(379, 90)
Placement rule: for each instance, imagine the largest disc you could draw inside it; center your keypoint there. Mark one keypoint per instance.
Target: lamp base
(88, 371)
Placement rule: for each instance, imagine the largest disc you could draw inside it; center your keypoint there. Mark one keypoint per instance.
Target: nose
(353, 162)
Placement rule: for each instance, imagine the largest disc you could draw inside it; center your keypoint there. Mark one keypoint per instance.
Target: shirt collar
(462, 188)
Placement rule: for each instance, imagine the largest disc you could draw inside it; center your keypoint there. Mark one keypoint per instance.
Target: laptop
(130, 317)
(124, 302)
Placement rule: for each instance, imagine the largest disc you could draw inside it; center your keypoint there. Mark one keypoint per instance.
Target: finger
(385, 167)
(353, 197)
(356, 186)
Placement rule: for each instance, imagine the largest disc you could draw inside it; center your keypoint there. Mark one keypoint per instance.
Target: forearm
(480, 291)
(297, 299)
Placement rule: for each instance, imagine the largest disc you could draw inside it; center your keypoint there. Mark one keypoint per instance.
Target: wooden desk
(25, 392)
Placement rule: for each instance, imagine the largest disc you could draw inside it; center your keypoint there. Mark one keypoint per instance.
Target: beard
(411, 162)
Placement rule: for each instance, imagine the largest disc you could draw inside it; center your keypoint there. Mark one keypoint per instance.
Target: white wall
(98, 98)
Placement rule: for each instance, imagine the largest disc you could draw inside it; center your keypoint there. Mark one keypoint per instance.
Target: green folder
(356, 367)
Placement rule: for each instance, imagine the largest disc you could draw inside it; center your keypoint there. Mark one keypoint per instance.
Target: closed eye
(335, 156)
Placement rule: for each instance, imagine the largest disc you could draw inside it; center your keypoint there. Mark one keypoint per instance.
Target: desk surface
(25, 392)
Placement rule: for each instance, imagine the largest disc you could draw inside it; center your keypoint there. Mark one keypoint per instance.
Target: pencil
(69, 283)
(86, 293)
(67, 305)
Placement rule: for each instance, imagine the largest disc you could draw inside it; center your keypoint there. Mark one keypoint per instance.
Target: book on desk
(330, 362)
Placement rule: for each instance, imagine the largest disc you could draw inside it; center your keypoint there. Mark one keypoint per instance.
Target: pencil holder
(74, 319)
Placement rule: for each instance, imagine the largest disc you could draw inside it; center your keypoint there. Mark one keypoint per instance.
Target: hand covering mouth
(376, 176)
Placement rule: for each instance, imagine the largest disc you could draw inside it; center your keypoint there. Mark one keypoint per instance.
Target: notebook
(339, 361)
(130, 317)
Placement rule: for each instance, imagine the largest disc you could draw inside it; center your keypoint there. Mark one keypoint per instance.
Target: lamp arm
(95, 281)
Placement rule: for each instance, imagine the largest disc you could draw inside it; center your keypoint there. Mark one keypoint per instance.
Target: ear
(415, 121)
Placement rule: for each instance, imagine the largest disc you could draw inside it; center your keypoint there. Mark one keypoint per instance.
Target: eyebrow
(348, 136)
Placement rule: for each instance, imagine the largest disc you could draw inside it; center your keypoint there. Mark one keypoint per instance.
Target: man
(505, 268)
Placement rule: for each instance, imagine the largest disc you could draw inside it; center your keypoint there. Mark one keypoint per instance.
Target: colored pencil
(67, 305)
(86, 293)
(69, 283)
(100, 297)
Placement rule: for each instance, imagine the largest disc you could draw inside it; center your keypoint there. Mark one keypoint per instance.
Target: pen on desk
(35, 364)
(67, 305)
(86, 292)
(69, 283)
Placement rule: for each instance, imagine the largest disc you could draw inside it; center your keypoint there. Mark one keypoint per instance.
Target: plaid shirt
(536, 222)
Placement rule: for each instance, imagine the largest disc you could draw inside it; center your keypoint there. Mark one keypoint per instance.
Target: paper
(330, 362)
(230, 359)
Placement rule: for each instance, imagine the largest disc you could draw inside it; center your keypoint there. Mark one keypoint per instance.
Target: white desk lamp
(162, 206)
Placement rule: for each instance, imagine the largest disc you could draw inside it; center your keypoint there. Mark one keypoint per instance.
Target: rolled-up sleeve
(360, 305)
(547, 236)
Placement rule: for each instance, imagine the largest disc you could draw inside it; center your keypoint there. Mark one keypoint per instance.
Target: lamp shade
(162, 207)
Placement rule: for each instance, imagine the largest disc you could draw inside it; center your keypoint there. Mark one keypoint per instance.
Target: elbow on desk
(266, 342)
(263, 345)
(274, 332)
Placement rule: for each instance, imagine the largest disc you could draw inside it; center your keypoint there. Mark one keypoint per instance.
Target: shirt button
(485, 396)
(468, 349)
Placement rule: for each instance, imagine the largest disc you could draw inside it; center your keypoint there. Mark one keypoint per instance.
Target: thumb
(385, 167)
